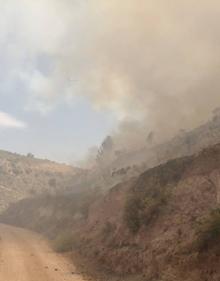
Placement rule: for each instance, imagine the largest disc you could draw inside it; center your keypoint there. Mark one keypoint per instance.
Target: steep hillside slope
(25, 176)
(163, 225)
(153, 229)
(132, 163)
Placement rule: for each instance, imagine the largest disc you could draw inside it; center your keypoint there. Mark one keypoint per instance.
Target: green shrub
(141, 208)
(131, 213)
(64, 242)
(208, 231)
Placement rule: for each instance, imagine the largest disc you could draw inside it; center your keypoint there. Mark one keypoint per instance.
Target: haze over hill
(160, 225)
(26, 176)
(109, 224)
(130, 91)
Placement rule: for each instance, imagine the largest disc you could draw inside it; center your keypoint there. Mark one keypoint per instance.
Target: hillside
(132, 163)
(162, 225)
(153, 228)
(25, 176)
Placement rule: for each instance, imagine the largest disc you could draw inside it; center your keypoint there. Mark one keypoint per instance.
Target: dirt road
(26, 256)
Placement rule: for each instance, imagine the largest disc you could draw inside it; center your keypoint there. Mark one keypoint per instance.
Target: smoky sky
(155, 64)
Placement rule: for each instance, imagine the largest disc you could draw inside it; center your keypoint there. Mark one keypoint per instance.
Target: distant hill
(26, 176)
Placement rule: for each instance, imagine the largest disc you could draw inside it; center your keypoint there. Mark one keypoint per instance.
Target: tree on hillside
(105, 156)
(30, 155)
(150, 138)
(106, 150)
(216, 113)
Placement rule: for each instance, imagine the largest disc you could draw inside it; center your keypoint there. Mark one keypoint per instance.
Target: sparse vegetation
(151, 192)
(131, 214)
(64, 242)
(208, 232)
(141, 209)
(86, 199)
(155, 205)
(51, 213)
(23, 176)
(30, 155)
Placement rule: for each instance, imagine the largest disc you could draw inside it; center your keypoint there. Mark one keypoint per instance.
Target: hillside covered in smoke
(161, 225)
(110, 165)
(143, 76)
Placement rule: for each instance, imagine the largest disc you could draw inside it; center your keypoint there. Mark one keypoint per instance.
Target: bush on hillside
(64, 242)
(141, 208)
(131, 213)
(208, 232)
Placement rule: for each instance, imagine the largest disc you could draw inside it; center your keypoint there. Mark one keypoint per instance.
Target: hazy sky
(64, 134)
(30, 119)
(72, 70)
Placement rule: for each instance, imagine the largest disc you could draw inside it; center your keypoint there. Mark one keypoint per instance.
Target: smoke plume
(155, 64)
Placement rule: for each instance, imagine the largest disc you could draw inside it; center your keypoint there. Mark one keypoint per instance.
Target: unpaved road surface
(26, 256)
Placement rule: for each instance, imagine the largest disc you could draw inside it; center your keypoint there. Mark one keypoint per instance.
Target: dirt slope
(25, 256)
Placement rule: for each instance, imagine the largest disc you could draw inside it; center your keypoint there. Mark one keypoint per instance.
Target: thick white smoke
(151, 62)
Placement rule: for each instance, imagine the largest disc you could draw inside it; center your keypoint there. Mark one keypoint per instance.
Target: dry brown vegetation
(145, 226)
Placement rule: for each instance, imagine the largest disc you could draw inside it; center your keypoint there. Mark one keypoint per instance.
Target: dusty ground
(26, 256)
